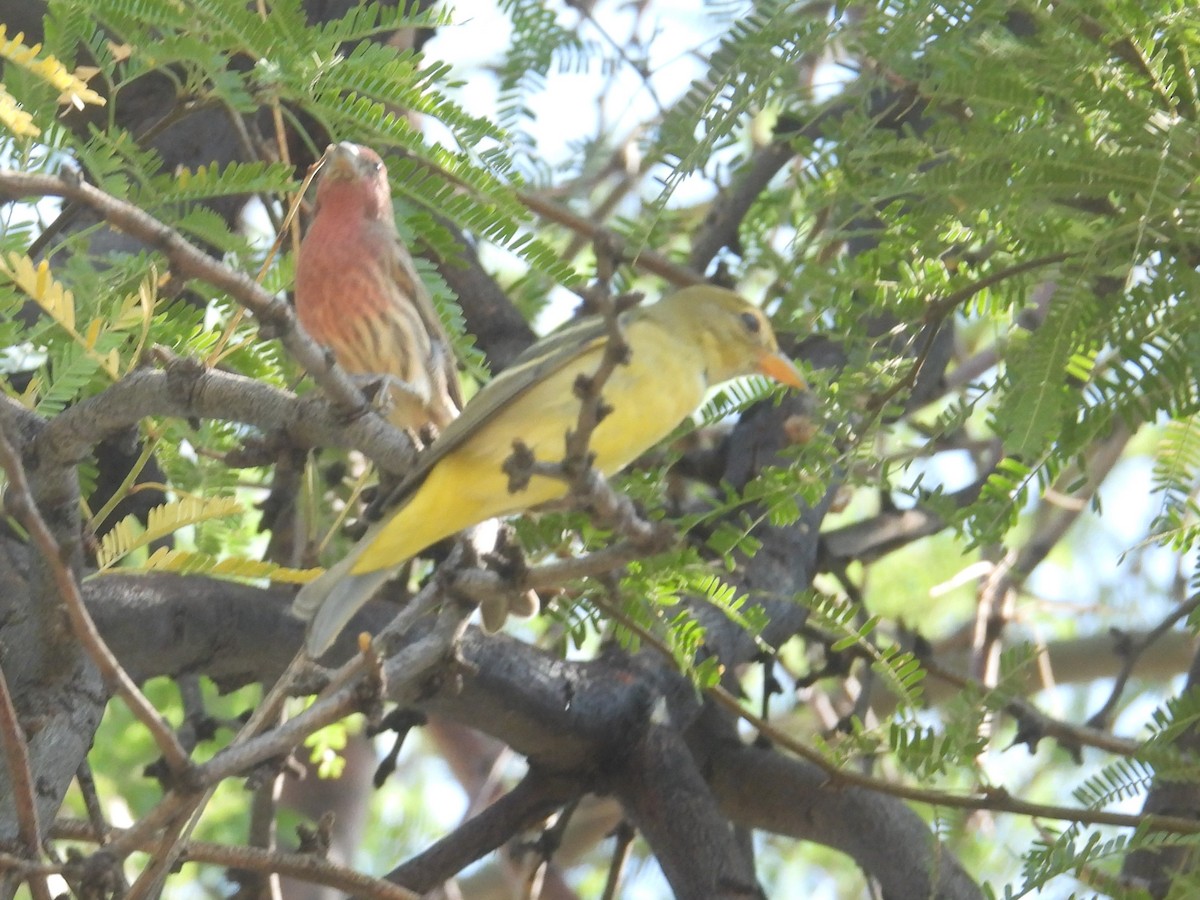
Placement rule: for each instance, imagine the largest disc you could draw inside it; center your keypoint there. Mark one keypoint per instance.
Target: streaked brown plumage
(358, 293)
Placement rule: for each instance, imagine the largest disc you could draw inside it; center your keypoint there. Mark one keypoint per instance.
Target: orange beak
(782, 369)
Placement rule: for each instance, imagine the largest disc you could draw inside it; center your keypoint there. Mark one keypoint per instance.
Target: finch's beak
(341, 161)
(782, 369)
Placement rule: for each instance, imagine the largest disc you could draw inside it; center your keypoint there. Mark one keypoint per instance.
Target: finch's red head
(354, 179)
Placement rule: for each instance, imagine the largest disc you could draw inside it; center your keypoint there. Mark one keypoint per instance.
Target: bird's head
(354, 178)
(735, 336)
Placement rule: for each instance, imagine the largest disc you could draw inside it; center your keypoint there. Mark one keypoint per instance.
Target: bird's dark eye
(752, 322)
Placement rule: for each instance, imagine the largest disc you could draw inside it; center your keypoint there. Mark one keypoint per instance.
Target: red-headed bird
(358, 293)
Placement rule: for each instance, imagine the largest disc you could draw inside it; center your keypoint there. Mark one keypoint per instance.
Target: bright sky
(565, 111)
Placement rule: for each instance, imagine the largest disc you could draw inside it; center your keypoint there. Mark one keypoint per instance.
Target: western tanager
(679, 348)
(358, 293)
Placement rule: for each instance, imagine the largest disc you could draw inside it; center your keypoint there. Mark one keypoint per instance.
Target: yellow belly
(662, 385)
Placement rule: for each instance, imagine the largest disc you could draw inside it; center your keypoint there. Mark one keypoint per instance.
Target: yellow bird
(679, 348)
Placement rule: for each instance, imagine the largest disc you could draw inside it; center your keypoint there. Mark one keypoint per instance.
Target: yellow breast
(662, 384)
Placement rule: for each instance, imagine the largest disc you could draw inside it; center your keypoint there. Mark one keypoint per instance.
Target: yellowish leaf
(93, 333)
(14, 118)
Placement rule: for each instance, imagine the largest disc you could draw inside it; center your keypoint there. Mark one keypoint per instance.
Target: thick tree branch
(536, 796)
(872, 539)
(768, 791)
(570, 716)
(996, 799)
(21, 505)
(731, 205)
(187, 390)
(667, 800)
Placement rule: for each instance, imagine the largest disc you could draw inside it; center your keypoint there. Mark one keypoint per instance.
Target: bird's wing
(443, 349)
(538, 362)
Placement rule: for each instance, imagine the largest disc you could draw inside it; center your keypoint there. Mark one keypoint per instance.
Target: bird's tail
(332, 600)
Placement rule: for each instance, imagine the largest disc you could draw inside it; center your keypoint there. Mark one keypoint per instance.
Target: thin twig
(546, 846)
(10, 863)
(483, 584)
(1033, 719)
(590, 388)
(91, 801)
(624, 835)
(164, 855)
(1103, 716)
(647, 260)
(998, 593)
(20, 776)
(940, 307)
(293, 865)
(262, 831)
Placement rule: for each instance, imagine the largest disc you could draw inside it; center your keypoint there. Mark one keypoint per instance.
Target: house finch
(679, 348)
(357, 292)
